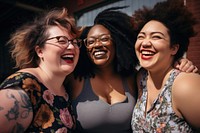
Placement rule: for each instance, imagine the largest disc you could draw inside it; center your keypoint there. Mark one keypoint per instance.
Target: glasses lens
(62, 40)
(77, 42)
(105, 39)
(90, 42)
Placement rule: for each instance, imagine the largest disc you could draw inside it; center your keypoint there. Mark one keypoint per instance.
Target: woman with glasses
(34, 98)
(104, 89)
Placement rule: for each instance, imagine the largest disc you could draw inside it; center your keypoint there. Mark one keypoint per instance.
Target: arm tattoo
(1, 108)
(18, 128)
(13, 113)
(26, 105)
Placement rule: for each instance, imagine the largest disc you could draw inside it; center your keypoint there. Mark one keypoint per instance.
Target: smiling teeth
(68, 56)
(147, 52)
(99, 53)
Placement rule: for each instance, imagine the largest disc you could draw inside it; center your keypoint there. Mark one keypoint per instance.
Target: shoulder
(15, 110)
(186, 97)
(75, 85)
(187, 83)
(16, 79)
(139, 77)
(131, 81)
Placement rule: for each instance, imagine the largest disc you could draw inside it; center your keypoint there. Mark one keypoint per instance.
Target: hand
(185, 65)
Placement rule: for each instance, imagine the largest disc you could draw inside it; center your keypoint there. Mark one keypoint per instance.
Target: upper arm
(15, 111)
(186, 96)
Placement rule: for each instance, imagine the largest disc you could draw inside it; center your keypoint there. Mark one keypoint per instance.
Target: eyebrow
(157, 32)
(98, 35)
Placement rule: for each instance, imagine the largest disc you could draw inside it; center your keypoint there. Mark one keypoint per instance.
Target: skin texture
(152, 47)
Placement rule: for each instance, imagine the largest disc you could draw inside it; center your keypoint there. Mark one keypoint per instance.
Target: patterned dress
(51, 112)
(160, 118)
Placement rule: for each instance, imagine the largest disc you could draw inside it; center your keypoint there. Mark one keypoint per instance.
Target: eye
(139, 37)
(156, 37)
(75, 41)
(90, 41)
(62, 40)
(104, 38)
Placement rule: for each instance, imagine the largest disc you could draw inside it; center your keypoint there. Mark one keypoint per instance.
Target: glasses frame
(78, 44)
(99, 40)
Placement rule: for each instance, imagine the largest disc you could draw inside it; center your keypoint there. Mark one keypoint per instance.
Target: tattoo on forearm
(18, 128)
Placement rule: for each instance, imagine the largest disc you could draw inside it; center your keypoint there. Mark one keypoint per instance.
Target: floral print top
(160, 118)
(51, 112)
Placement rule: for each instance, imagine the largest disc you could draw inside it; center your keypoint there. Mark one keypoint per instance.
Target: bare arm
(15, 111)
(186, 97)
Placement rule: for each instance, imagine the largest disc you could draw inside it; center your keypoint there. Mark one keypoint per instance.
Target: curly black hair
(175, 16)
(123, 37)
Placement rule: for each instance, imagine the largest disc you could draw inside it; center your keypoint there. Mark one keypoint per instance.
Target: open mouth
(68, 57)
(147, 53)
(100, 54)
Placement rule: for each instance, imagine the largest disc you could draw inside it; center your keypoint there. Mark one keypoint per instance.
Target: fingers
(186, 65)
(195, 70)
(191, 68)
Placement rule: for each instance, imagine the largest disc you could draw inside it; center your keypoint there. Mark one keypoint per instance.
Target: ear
(174, 49)
(39, 51)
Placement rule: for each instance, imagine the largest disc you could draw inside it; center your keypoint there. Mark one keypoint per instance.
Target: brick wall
(194, 48)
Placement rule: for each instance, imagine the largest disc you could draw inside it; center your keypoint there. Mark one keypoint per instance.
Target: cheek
(89, 52)
(137, 46)
(77, 53)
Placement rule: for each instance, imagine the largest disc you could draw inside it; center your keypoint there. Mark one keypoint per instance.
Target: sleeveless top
(160, 118)
(51, 113)
(96, 116)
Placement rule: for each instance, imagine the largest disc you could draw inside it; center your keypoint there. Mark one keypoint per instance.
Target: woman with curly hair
(34, 98)
(103, 88)
(168, 99)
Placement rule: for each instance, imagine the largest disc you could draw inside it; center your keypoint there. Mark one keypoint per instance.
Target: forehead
(98, 30)
(58, 31)
(155, 26)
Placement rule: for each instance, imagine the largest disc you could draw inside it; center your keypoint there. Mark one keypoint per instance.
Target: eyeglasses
(91, 41)
(64, 41)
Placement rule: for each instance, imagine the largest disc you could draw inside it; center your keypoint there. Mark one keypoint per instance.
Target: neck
(106, 73)
(159, 77)
(52, 81)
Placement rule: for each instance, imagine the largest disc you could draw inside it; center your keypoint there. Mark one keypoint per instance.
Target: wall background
(14, 13)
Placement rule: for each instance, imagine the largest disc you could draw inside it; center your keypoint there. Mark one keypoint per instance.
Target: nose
(98, 43)
(70, 45)
(146, 43)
